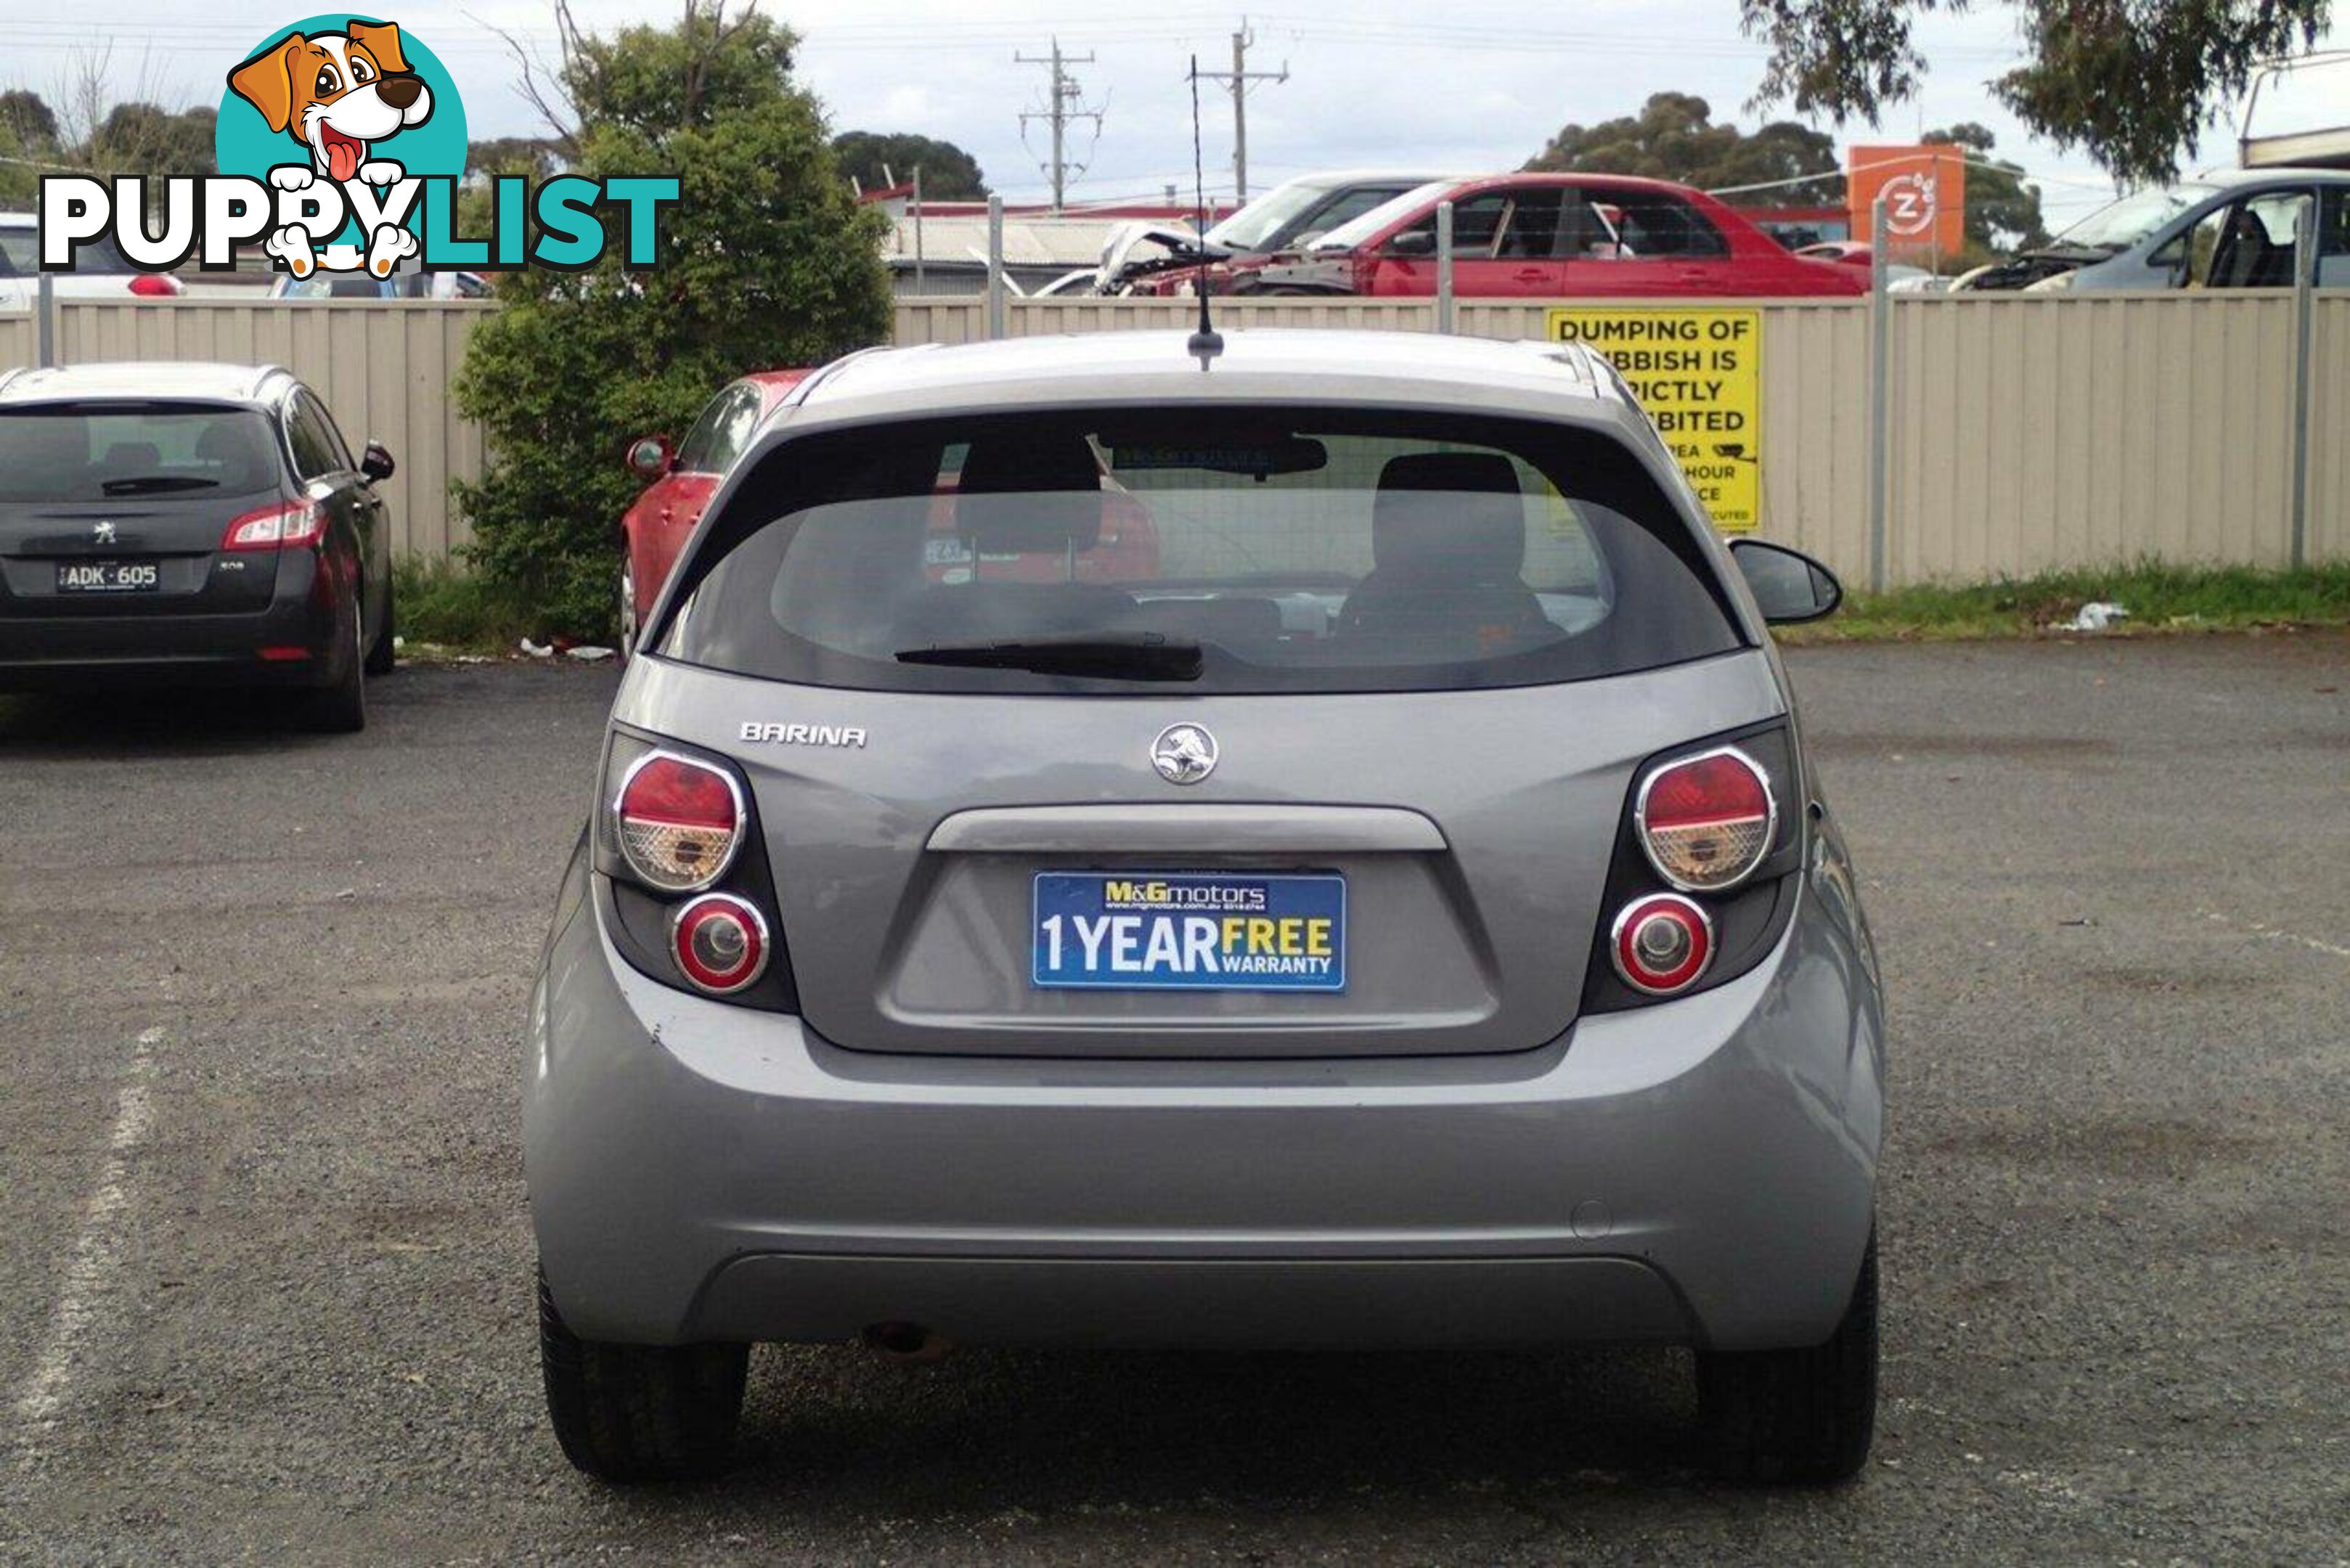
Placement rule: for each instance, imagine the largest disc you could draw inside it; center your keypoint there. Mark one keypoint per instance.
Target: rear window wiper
(148, 482)
(1108, 656)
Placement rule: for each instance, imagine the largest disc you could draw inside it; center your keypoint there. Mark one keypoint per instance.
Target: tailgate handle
(1191, 829)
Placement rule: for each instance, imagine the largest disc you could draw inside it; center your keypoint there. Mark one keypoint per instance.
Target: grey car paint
(1451, 1155)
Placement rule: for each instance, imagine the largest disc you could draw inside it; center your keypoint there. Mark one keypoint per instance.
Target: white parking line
(2271, 933)
(97, 1252)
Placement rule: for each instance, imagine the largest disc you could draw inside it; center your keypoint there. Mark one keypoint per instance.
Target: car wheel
(628, 609)
(633, 1412)
(340, 708)
(1801, 1415)
(381, 652)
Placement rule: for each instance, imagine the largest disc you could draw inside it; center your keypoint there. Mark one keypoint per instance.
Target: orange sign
(1925, 191)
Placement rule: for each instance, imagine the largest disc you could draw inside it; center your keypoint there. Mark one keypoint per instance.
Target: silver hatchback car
(1307, 846)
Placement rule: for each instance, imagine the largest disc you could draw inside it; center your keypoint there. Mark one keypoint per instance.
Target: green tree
(1674, 137)
(765, 260)
(872, 158)
(31, 121)
(2132, 82)
(2003, 211)
(146, 138)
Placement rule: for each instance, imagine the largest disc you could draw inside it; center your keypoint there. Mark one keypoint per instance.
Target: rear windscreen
(99, 451)
(1294, 550)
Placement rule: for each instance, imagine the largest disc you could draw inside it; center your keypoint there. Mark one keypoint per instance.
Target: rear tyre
(381, 652)
(340, 707)
(636, 1413)
(1804, 1417)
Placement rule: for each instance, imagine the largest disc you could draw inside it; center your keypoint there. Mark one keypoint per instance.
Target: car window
(20, 255)
(698, 451)
(2334, 225)
(334, 433)
(1320, 551)
(97, 451)
(737, 422)
(1348, 205)
(2246, 244)
(1659, 223)
(305, 432)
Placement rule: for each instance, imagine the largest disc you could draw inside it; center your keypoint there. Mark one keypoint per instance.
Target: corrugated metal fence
(2028, 431)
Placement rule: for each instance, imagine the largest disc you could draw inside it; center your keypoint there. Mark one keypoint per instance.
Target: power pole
(1060, 108)
(1238, 79)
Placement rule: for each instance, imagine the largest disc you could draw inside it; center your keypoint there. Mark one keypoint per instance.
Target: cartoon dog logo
(339, 95)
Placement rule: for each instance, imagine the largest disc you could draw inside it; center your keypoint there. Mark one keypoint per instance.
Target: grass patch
(2159, 598)
(441, 603)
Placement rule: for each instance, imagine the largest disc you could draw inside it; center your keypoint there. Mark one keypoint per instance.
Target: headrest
(126, 458)
(1459, 515)
(1025, 497)
(231, 451)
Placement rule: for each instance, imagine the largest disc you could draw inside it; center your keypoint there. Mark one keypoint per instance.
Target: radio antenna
(1207, 342)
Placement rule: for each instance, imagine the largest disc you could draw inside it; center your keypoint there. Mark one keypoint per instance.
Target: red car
(1546, 236)
(683, 476)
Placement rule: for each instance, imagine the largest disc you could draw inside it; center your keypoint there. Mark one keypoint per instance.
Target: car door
(323, 466)
(368, 509)
(1505, 242)
(1651, 243)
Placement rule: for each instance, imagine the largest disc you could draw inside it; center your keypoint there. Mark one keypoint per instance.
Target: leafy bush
(766, 260)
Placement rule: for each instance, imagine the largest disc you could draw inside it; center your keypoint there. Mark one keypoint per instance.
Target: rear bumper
(1700, 1172)
(49, 652)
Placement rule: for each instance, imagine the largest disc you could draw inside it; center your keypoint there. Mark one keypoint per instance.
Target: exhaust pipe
(906, 1344)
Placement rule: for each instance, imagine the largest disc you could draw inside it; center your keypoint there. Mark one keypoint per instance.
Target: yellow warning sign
(1699, 372)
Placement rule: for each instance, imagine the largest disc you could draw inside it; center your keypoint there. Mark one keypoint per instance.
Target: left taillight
(289, 525)
(678, 821)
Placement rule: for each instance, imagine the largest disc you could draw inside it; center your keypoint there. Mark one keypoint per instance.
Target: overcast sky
(1473, 83)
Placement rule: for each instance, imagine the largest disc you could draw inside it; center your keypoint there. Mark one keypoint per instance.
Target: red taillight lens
(720, 941)
(1662, 944)
(280, 527)
(157, 285)
(1706, 822)
(680, 822)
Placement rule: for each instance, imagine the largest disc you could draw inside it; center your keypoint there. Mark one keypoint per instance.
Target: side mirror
(376, 461)
(1413, 243)
(1789, 586)
(651, 456)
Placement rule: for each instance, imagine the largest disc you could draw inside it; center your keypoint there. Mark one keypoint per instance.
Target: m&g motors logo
(341, 143)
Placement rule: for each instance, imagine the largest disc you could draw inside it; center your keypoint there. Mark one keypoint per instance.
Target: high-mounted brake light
(680, 821)
(279, 527)
(1661, 944)
(1706, 822)
(720, 941)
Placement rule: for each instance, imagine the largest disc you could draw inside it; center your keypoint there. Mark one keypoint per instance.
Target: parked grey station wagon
(1393, 910)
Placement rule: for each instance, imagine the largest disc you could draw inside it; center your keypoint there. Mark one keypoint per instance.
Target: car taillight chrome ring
(631, 851)
(1625, 929)
(1770, 833)
(704, 973)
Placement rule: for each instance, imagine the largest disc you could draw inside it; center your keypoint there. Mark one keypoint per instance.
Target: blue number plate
(1189, 931)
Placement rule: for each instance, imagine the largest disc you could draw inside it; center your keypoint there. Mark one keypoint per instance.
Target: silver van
(1308, 844)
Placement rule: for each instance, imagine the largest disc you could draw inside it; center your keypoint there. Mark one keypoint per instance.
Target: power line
(1238, 79)
(1061, 101)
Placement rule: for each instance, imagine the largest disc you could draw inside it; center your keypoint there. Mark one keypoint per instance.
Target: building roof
(172, 379)
(1394, 369)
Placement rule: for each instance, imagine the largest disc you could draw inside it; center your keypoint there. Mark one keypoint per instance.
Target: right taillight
(1662, 944)
(720, 941)
(678, 821)
(285, 525)
(1706, 822)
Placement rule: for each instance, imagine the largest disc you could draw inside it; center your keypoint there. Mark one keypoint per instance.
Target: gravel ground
(264, 1249)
